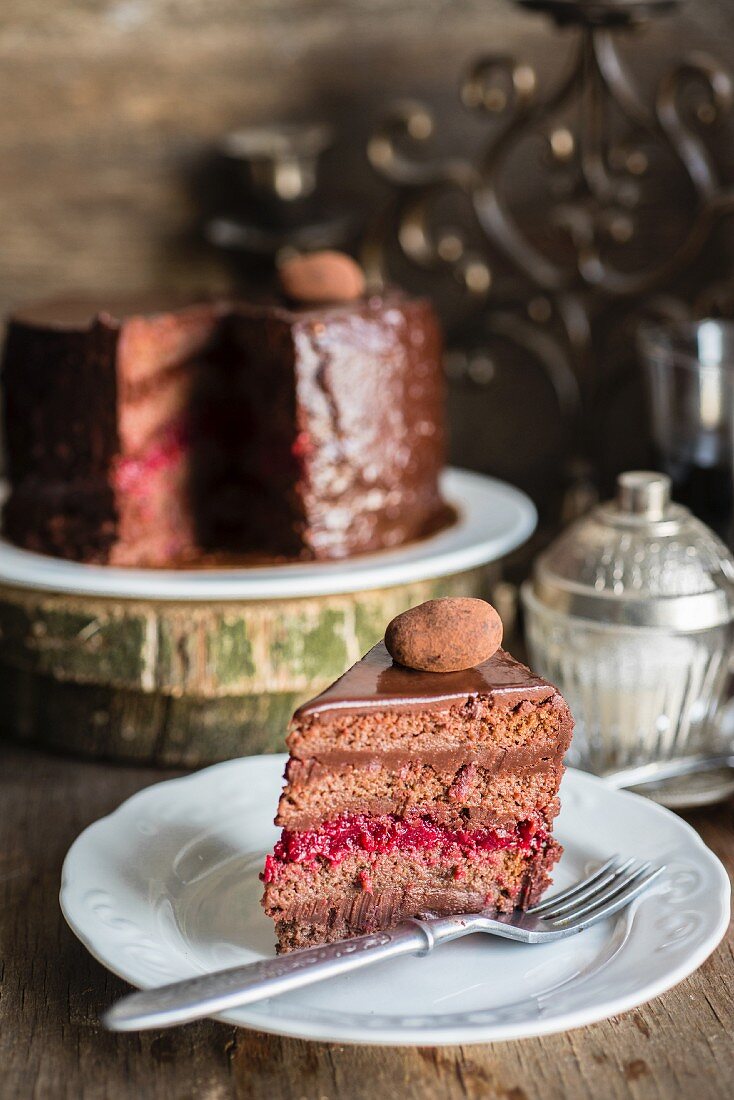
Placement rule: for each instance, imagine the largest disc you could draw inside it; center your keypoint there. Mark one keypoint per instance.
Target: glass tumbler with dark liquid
(689, 368)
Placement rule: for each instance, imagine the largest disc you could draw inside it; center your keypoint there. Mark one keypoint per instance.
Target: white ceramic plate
(167, 887)
(493, 519)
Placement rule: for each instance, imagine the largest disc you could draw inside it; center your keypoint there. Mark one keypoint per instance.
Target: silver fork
(610, 888)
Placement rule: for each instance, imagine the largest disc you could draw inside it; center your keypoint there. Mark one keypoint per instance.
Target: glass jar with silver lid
(630, 613)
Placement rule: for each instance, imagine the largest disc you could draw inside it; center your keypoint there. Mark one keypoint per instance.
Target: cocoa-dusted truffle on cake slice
(411, 791)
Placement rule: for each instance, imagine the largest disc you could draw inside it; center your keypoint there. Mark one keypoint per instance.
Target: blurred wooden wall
(110, 109)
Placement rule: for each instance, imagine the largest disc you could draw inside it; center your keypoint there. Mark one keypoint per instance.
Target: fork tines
(611, 887)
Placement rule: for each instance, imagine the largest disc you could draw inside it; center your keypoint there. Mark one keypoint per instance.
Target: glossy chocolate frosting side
(377, 683)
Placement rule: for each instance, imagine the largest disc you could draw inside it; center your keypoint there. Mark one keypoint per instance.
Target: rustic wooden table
(51, 1045)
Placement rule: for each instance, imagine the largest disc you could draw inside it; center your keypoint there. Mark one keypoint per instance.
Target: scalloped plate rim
(306, 1029)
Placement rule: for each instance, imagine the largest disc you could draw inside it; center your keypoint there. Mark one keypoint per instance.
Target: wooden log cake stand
(183, 683)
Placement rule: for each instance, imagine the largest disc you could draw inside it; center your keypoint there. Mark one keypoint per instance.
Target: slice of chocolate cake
(411, 791)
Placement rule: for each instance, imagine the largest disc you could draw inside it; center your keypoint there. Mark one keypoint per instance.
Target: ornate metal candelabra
(593, 202)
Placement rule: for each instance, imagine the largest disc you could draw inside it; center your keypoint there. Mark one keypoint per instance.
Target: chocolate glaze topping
(377, 683)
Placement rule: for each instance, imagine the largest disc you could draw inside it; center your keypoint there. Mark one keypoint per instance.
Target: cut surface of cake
(98, 429)
(144, 436)
(410, 792)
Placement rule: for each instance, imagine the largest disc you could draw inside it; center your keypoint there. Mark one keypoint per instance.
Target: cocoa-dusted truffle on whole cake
(410, 791)
(309, 429)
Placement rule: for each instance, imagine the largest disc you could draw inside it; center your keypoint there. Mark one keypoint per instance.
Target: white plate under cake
(168, 887)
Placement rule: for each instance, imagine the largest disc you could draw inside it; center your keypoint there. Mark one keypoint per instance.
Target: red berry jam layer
(134, 474)
(334, 840)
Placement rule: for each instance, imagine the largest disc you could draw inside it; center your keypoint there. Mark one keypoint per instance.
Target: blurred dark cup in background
(689, 370)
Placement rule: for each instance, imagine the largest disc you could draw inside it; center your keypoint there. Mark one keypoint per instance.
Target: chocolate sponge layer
(453, 795)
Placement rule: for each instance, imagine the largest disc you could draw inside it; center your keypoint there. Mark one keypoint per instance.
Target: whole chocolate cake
(295, 429)
(410, 791)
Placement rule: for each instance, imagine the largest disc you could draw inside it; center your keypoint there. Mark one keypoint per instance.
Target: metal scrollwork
(599, 241)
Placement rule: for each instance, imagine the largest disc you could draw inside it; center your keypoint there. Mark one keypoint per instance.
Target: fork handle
(208, 994)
